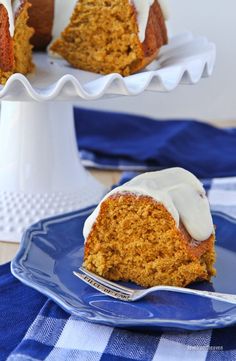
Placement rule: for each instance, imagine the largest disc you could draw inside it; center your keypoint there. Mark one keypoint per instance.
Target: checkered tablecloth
(57, 336)
(33, 329)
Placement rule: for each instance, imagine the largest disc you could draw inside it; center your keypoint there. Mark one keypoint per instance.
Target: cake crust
(6, 42)
(41, 16)
(155, 38)
(16, 51)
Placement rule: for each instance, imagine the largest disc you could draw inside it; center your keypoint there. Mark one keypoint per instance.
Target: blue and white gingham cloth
(119, 141)
(57, 336)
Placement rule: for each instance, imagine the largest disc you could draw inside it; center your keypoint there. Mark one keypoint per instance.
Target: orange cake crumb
(136, 239)
(102, 37)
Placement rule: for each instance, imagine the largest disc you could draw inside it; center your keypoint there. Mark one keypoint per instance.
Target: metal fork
(123, 293)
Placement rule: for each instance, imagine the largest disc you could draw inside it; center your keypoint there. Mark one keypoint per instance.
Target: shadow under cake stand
(41, 174)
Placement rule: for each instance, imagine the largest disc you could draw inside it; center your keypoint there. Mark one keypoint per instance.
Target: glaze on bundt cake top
(154, 230)
(15, 34)
(113, 36)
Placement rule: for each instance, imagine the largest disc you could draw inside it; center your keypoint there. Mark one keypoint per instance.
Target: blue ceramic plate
(52, 249)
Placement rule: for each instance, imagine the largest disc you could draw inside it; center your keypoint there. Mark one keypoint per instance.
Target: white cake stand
(40, 169)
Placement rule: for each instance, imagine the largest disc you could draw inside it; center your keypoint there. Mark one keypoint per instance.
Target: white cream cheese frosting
(63, 9)
(142, 7)
(165, 8)
(179, 191)
(8, 5)
(11, 8)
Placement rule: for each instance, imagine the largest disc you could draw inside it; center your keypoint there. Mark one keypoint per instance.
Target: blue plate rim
(17, 271)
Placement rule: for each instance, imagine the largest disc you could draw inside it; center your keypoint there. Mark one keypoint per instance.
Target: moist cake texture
(133, 236)
(106, 36)
(102, 36)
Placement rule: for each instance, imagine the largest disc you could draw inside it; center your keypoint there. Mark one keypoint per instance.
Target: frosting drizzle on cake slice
(8, 6)
(179, 191)
(12, 7)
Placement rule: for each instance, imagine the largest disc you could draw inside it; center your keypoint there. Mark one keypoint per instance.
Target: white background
(211, 99)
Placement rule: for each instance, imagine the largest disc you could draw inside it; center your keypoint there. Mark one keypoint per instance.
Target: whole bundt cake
(109, 36)
(154, 230)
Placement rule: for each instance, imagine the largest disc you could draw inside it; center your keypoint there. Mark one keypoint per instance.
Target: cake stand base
(41, 174)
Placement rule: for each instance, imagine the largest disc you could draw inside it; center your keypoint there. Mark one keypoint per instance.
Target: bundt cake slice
(15, 34)
(110, 36)
(154, 230)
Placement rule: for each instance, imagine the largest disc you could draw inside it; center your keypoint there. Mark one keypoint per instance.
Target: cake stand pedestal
(40, 170)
